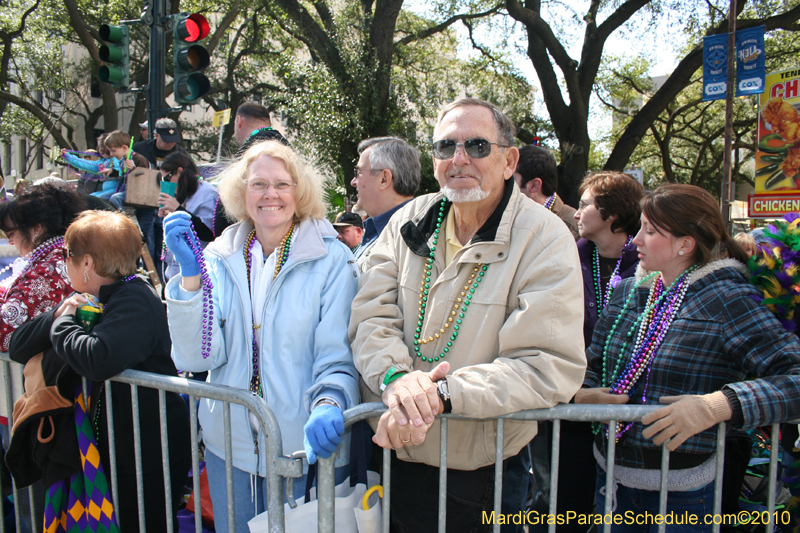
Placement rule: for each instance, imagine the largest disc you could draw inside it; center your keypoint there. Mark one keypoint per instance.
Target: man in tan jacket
(472, 304)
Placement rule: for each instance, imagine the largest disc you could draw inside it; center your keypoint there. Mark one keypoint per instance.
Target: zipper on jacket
(289, 268)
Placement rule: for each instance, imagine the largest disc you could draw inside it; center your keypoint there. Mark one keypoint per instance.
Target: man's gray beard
(463, 196)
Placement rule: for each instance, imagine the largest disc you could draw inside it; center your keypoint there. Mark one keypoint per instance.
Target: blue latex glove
(323, 432)
(177, 228)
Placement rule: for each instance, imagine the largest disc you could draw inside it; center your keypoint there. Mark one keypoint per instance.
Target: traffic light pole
(155, 90)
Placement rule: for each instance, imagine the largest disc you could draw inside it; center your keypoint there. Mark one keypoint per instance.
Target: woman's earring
(85, 277)
(680, 252)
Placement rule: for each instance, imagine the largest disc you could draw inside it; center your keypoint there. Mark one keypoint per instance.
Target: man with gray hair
(472, 304)
(386, 177)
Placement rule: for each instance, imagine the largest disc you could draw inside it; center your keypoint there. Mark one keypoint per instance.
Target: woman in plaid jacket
(685, 332)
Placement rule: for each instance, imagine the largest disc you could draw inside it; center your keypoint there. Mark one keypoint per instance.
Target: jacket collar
(107, 291)
(308, 242)
(417, 231)
(705, 271)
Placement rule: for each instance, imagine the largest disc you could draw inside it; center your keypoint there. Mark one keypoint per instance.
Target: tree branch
(40, 114)
(427, 32)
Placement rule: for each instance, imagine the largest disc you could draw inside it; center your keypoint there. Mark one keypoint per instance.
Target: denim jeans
(244, 505)
(633, 504)
(516, 486)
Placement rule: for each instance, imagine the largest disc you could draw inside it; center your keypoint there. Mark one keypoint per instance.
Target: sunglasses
(474, 148)
(168, 176)
(66, 253)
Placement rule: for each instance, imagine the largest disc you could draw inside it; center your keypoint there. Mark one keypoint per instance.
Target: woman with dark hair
(685, 332)
(35, 223)
(193, 195)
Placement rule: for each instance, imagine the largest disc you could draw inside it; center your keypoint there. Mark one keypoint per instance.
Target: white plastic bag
(369, 516)
(303, 518)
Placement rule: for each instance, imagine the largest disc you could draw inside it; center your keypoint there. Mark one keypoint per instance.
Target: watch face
(444, 388)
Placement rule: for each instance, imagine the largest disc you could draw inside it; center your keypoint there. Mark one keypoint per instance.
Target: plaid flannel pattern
(721, 337)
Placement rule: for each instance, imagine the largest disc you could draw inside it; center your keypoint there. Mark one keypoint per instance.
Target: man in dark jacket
(253, 125)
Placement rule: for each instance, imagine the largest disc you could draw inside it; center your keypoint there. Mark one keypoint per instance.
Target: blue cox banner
(715, 66)
(750, 64)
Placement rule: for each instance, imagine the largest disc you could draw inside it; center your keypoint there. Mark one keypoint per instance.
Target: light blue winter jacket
(305, 353)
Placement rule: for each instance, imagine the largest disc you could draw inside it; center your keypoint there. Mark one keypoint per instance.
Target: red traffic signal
(193, 28)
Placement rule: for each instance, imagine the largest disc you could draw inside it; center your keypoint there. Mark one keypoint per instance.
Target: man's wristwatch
(444, 394)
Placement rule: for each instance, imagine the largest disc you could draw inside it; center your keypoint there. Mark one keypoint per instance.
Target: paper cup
(167, 187)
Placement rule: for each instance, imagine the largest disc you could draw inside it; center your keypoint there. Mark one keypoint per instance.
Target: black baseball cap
(168, 135)
(349, 219)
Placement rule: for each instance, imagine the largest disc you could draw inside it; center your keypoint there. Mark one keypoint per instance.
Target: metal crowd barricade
(571, 412)
(278, 466)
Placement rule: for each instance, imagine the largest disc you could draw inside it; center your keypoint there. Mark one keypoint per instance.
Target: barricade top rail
(197, 388)
(285, 466)
(571, 412)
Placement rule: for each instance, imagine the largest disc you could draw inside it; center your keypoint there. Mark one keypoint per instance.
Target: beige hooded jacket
(520, 345)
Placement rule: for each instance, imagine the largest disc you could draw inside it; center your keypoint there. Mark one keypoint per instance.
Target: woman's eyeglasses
(66, 253)
(261, 186)
(168, 176)
(474, 148)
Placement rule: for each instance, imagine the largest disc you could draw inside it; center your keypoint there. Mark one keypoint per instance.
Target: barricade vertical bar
(137, 453)
(198, 518)
(10, 417)
(498, 471)
(112, 447)
(326, 484)
(387, 488)
(162, 417)
(717, 510)
(663, 493)
(443, 477)
(7, 388)
(774, 446)
(554, 458)
(32, 504)
(85, 389)
(226, 417)
(610, 492)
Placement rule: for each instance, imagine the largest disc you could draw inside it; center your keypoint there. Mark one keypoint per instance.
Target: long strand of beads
(34, 255)
(283, 251)
(613, 281)
(459, 310)
(280, 261)
(605, 379)
(550, 202)
(654, 322)
(96, 423)
(214, 218)
(208, 287)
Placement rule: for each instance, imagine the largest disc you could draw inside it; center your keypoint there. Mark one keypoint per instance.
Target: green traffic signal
(116, 53)
(190, 58)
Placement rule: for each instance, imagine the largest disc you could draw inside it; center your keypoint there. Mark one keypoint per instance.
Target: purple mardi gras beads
(207, 286)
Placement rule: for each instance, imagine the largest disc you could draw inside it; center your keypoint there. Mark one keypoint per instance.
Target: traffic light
(116, 53)
(190, 58)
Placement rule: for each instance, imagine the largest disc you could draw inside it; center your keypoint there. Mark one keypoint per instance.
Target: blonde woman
(283, 284)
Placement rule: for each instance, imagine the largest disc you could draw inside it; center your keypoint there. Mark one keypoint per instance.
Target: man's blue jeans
(642, 506)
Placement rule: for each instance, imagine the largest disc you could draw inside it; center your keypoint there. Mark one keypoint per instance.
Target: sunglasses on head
(66, 253)
(474, 148)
